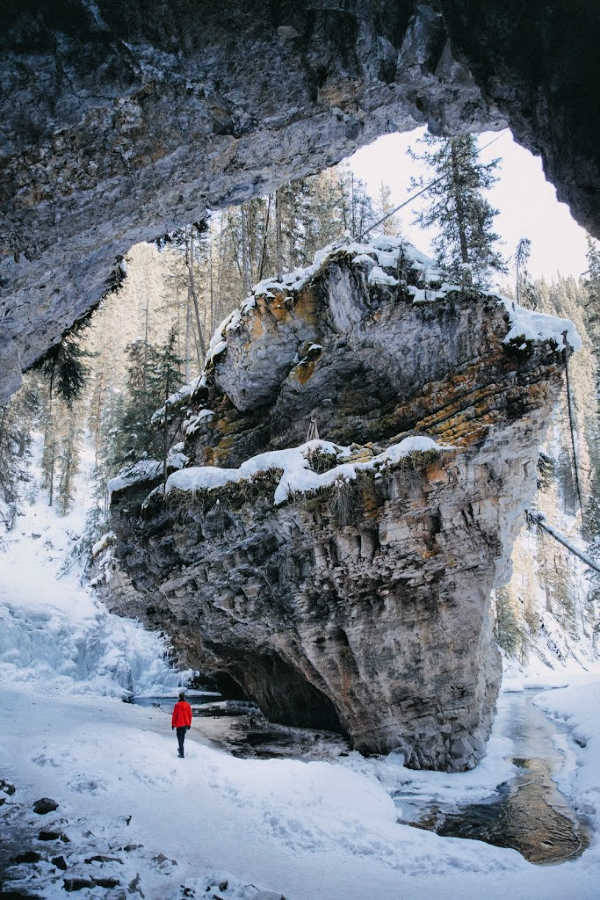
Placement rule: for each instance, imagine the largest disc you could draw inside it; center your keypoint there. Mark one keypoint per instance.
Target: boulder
(44, 806)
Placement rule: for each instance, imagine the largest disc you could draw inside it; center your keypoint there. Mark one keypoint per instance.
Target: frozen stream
(527, 812)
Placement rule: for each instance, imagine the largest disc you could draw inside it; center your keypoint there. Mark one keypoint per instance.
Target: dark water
(527, 813)
(240, 727)
(195, 698)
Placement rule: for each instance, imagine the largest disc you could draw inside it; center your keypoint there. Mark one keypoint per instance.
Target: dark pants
(181, 738)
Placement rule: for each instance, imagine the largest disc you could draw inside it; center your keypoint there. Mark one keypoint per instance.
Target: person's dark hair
(182, 695)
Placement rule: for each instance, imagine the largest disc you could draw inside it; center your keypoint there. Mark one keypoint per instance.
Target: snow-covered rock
(344, 582)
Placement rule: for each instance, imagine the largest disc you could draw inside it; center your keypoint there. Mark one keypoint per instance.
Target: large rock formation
(122, 120)
(346, 583)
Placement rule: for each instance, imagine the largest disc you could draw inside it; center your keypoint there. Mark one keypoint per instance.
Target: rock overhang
(118, 125)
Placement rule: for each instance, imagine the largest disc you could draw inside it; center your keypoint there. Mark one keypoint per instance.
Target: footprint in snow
(43, 760)
(84, 785)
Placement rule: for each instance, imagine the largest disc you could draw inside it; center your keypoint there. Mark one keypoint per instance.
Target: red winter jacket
(182, 714)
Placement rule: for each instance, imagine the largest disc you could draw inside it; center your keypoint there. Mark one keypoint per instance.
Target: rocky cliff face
(344, 582)
(549, 611)
(121, 121)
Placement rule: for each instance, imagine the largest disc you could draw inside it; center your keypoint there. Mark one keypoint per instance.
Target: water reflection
(528, 813)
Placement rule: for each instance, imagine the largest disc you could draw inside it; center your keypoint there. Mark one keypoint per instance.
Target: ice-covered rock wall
(345, 582)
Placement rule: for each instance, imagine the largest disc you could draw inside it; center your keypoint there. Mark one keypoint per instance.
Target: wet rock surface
(122, 121)
(527, 813)
(44, 805)
(363, 606)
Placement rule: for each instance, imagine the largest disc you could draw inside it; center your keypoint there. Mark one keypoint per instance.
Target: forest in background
(95, 393)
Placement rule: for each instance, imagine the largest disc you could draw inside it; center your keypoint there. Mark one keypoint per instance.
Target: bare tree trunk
(237, 254)
(49, 431)
(460, 212)
(98, 415)
(188, 314)
(246, 279)
(192, 289)
(571, 421)
(263, 252)
(278, 262)
(212, 294)
(221, 258)
(166, 433)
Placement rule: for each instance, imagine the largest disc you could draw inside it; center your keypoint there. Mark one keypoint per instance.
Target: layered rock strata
(121, 121)
(346, 583)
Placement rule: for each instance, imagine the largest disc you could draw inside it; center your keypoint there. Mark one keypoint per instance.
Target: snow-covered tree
(384, 210)
(68, 452)
(16, 422)
(465, 240)
(154, 373)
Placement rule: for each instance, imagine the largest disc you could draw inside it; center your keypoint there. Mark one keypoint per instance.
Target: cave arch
(123, 120)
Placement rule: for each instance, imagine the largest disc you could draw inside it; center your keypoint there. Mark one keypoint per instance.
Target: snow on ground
(577, 707)
(308, 830)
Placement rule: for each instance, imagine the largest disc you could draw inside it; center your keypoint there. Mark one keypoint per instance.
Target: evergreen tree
(113, 412)
(165, 380)
(524, 289)
(66, 374)
(153, 374)
(49, 450)
(383, 209)
(133, 434)
(592, 286)
(464, 244)
(63, 364)
(356, 207)
(68, 461)
(16, 421)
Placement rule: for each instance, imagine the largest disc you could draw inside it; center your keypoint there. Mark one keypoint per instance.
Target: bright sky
(527, 202)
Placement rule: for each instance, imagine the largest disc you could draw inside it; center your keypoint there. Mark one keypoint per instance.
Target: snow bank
(378, 276)
(319, 829)
(576, 706)
(527, 325)
(323, 829)
(179, 398)
(103, 543)
(192, 424)
(294, 463)
(146, 470)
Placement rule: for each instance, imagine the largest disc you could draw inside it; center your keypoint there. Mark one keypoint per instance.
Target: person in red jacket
(181, 720)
